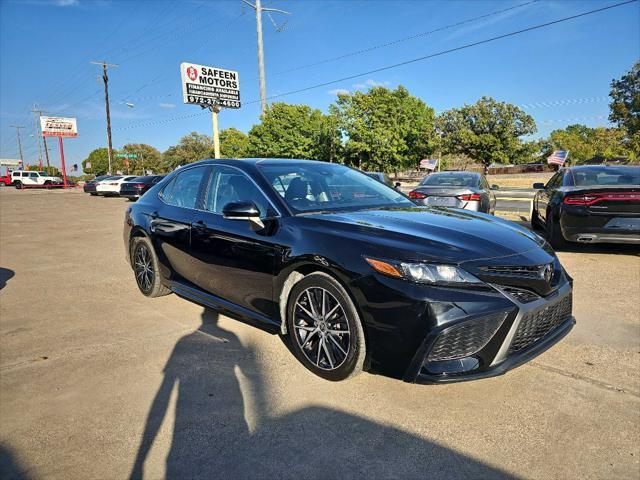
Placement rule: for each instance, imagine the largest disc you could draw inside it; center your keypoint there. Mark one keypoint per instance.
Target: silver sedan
(468, 190)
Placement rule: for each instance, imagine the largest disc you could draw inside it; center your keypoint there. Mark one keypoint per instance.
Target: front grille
(521, 295)
(465, 338)
(536, 325)
(522, 271)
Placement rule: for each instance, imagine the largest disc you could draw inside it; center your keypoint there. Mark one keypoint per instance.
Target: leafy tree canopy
(586, 143)
(99, 159)
(287, 131)
(191, 148)
(385, 130)
(149, 158)
(487, 131)
(625, 101)
(233, 143)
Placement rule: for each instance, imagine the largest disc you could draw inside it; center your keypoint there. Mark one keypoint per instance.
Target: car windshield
(606, 176)
(312, 186)
(451, 180)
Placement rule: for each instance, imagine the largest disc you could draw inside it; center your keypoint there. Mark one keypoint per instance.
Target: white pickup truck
(24, 178)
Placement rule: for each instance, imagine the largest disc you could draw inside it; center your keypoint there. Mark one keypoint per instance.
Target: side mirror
(495, 187)
(538, 185)
(397, 184)
(243, 211)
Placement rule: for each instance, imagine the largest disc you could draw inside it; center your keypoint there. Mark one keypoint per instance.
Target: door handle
(198, 223)
(154, 215)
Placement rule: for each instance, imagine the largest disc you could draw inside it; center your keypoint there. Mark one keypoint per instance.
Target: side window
(555, 181)
(227, 184)
(25, 174)
(33, 175)
(568, 179)
(182, 191)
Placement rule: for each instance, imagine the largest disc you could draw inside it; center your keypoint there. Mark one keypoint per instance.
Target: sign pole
(64, 170)
(216, 137)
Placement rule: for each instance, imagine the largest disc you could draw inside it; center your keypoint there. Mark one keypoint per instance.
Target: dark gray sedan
(468, 190)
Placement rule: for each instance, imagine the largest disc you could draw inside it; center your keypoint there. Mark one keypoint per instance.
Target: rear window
(449, 180)
(605, 176)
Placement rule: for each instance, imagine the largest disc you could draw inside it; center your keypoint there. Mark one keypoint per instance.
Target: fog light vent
(466, 338)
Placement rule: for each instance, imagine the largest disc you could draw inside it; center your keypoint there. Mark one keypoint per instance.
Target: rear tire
(554, 233)
(18, 185)
(325, 329)
(535, 220)
(146, 268)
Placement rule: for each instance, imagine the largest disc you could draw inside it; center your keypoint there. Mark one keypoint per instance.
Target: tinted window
(311, 186)
(556, 180)
(33, 175)
(228, 184)
(182, 191)
(606, 176)
(451, 179)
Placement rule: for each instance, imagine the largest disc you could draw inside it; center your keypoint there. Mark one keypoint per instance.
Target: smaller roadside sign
(10, 162)
(58, 127)
(127, 155)
(209, 86)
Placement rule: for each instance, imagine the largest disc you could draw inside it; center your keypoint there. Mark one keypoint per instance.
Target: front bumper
(523, 334)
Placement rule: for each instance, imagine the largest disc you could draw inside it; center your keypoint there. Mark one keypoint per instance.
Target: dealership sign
(58, 127)
(210, 86)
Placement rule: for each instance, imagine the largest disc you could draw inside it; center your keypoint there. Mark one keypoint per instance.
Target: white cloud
(66, 3)
(372, 83)
(338, 91)
(167, 105)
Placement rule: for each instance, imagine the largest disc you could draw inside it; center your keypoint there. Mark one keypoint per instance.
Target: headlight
(429, 273)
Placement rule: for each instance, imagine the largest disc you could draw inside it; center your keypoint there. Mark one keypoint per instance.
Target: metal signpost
(213, 88)
(59, 127)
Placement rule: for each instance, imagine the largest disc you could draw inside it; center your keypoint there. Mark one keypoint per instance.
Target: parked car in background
(5, 180)
(589, 204)
(29, 178)
(136, 187)
(110, 187)
(383, 178)
(90, 185)
(351, 270)
(468, 190)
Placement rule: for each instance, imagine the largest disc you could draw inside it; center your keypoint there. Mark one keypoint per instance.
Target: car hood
(437, 234)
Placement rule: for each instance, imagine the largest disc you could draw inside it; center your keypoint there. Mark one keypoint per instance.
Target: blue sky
(559, 74)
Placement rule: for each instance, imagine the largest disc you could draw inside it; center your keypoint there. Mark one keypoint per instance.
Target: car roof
(580, 168)
(256, 161)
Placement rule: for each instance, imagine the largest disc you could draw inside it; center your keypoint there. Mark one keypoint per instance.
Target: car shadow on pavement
(10, 468)
(5, 276)
(222, 428)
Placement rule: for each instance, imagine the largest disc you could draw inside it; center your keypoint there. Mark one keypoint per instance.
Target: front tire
(325, 328)
(535, 219)
(146, 268)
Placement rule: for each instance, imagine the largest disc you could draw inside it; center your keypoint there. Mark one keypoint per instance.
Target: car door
(170, 222)
(488, 197)
(235, 261)
(544, 195)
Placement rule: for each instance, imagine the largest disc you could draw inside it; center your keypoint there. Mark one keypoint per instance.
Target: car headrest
(298, 189)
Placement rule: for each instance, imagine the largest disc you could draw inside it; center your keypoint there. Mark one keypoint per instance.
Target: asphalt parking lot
(97, 381)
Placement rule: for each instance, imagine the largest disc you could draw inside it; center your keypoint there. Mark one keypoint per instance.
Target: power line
(419, 59)
(105, 79)
(401, 40)
(450, 50)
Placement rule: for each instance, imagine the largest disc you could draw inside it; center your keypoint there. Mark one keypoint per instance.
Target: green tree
(233, 143)
(487, 131)
(191, 148)
(149, 158)
(99, 159)
(584, 143)
(288, 131)
(385, 130)
(625, 101)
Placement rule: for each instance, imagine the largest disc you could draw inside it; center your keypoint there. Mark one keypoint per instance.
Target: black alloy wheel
(325, 329)
(18, 185)
(145, 267)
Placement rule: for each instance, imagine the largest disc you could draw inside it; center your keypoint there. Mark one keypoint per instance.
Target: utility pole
(38, 113)
(105, 79)
(18, 127)
(263, 86)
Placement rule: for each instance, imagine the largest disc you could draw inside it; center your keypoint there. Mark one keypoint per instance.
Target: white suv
(24, 178)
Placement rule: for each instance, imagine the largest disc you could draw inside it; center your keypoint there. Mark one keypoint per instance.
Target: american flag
(429, 163)
(558, 157)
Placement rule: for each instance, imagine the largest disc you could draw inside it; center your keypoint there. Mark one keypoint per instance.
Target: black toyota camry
(354, 274)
